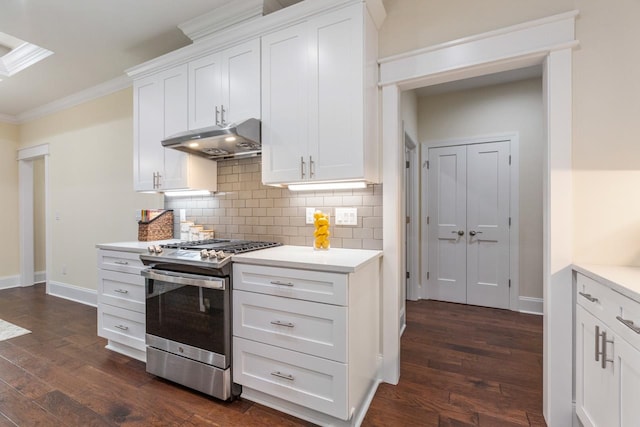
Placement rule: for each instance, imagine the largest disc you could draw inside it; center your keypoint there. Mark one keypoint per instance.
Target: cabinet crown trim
(247, 30)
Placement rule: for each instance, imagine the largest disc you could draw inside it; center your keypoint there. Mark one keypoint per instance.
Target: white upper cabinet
(319, 99)
(160, 110)
(224, 87)
(285, 105)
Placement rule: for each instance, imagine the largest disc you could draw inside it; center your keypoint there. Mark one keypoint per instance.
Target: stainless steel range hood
(240, 139)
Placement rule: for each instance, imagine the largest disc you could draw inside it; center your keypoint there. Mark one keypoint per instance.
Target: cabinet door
(160, 110)
(336, 92)
(596, 387)
(284, 105)
(175, 117)
(205, 94)
(241, 82)
(628, 359)
(148, 155)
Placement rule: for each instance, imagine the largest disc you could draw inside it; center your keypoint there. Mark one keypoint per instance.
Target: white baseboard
(40, 276)
(73, 293)
(531, 305)
(9, 282)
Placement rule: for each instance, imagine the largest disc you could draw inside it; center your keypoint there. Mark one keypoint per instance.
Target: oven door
(189, 315)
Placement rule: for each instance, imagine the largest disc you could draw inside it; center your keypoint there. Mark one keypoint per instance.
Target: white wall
(606, 102)
(10, 265)
(500, 109)
(90, 182)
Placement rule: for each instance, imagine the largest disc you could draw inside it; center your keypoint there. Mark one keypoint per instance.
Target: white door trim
(26, 156)
(549, 42)
(514, 210)
(413, 245)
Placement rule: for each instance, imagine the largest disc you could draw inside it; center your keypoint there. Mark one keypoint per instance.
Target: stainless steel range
(188, 312)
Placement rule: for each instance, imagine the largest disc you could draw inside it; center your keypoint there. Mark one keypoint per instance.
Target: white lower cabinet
(307, 342)
(121, 308)
(607, 356)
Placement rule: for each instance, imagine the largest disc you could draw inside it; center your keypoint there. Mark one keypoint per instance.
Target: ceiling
(93, 42)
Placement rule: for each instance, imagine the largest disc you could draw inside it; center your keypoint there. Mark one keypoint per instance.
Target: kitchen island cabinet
(607, 345)
(306, 328)
(121, 298)
(320, 99)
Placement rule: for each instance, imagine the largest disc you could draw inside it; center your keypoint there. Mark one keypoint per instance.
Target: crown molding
(22, 57)
(77, 98)
(239, 33)
(220, 18)
(7, 118)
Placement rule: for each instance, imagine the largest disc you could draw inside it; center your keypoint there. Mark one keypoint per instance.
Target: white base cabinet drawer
(307, 327)
(318, 286)
(121, 289)
(308, 381)
(596, 298)
(124, 326)
(126, 262)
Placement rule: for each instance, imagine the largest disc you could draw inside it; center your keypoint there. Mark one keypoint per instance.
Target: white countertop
(133, 246)
(622, 279)
(336, 260)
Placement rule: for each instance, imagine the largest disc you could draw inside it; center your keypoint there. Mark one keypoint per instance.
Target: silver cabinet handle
(589, 297)
(155, 180)
(122, 327)
(473, 232)
(217, 116)
(602, 336)
(311, 167)
(222, 111)
(281, 375)
(159, 176)
(281, 323)
(121, 291)
(629, 324)
(121, 262)
(302, 167)
(604, 350)
(279, 283)
(459, 232)
(597, 343)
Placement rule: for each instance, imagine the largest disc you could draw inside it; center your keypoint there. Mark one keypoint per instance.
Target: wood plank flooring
(461, 366)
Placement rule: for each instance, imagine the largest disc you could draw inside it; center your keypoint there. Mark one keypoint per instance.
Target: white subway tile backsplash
(245, 209)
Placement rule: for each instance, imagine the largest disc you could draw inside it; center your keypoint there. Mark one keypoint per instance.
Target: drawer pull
(281, 323)
(122, 327)
(589, 297)
(279, 283)
(629, 324)
(121, 262)
(283, 376)
(121, 291)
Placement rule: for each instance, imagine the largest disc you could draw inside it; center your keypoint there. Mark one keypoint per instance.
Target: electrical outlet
(309, 215)
(346, 216)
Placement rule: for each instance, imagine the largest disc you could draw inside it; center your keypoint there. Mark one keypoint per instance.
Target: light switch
(346, 216)
(309, 215)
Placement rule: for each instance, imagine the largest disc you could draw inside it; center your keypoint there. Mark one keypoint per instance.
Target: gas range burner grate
(248, 246)
(226, 245)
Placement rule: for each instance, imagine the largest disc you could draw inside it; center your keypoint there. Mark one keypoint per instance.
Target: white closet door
(488, 224)
(468, 197)
(447, 194)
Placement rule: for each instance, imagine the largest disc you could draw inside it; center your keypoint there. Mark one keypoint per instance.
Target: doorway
(33, 164)
(468, 198)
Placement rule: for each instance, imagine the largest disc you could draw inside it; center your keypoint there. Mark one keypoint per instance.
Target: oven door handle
(184, 279)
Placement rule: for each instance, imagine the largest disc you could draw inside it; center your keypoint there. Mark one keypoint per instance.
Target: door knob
(459, 232)
(473, 232)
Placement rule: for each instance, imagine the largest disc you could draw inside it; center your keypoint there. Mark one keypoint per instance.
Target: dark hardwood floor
(461, 366)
